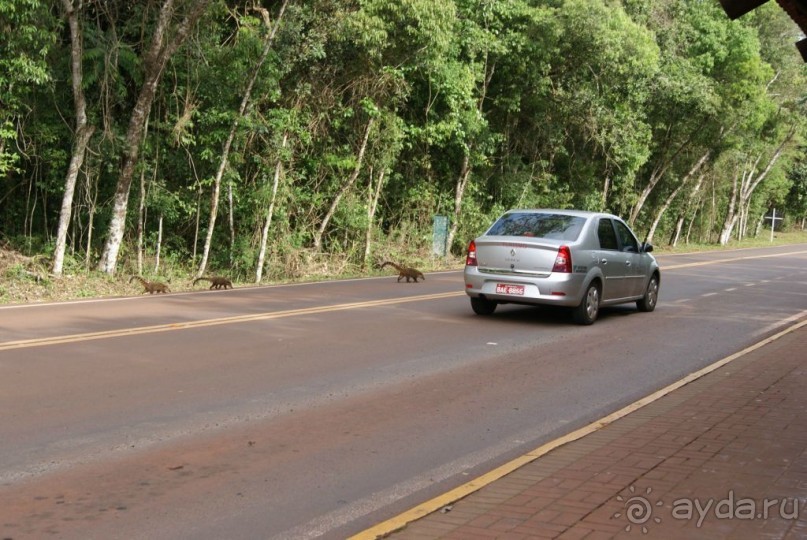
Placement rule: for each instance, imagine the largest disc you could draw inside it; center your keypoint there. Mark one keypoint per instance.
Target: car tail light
(563, 260)
(470, 259)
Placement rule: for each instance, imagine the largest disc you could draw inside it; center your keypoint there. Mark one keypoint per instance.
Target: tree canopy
(269, 136)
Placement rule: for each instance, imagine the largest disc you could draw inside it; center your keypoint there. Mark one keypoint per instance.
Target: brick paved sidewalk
(710, 460)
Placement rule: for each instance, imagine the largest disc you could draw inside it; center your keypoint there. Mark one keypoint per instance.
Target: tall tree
(83, 130)
(487, 32)
(165, 41)
(267, 220)
(684, 107)
(225, 154)
(750, 177)
(347, 184)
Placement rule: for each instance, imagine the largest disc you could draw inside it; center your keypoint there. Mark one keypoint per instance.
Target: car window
(626, 238)
(538, 225)
(606, 234)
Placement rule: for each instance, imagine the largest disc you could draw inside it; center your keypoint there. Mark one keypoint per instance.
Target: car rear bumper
(557, 289)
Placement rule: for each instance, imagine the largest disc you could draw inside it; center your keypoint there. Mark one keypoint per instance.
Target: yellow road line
(734, 259)
(398, 522)
(40, 342)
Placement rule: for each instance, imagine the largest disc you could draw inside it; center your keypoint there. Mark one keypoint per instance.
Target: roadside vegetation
(27, 280)
(285, 140)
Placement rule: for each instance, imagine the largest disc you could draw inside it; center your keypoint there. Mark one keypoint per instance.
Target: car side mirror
(647, 247)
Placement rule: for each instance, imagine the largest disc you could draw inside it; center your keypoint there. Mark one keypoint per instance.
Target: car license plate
(505, 288)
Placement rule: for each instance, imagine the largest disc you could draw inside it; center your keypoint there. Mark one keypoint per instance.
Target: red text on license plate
(504, 288)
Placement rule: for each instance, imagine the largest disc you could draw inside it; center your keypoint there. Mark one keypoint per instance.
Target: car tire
(483, 306)
(648, 302)
(588, 309)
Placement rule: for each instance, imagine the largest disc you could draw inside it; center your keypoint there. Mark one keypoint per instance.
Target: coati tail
(390, 263)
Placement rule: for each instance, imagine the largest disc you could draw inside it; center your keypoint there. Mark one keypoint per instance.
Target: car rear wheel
(648, 302)
(482, 306)
(586, 312)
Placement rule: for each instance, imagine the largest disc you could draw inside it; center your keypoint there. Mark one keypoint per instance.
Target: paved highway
(316, 410)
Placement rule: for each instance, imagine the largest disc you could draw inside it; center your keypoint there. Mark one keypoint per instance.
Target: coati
(151, 287)
(216, 282)
(405, 272)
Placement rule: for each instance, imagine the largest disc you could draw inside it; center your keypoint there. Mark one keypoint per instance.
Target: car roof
(568, 212)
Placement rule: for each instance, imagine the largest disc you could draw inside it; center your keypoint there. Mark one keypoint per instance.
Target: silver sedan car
(581, 260)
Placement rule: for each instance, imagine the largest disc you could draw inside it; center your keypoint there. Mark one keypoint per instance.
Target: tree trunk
(655, 176)
(695, 168)
(731, 218)
(651, 233)
(742, 230)
(679, 225)
(141, 222)
(268, 221)
(682, 218)
(198, 219)
(159, 244)
(82, 137)
(465, 168)
(92, 204)
(345, 187)
(231, 221)
(154, 64)
(684, 181)
(688, 236)
(760, 224)
(372, 205)
(658, 173)
(459, 191)
(661, 170)
(742, 197)
(225, 153)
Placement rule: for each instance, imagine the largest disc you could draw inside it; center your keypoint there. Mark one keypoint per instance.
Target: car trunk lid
(505, 256)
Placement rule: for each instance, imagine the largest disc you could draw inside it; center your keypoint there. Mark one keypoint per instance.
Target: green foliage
(560, 103)
(797, 195)
(29, 32)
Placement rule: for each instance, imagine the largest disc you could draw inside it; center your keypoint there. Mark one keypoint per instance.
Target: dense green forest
(264, 137)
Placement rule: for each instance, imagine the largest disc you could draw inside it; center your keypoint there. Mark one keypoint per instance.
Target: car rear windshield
(538, 225)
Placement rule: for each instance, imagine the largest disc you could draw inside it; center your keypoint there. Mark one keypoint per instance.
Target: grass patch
(764, 240)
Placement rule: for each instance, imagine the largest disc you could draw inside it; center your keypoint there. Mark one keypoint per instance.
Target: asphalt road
(317, 410)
